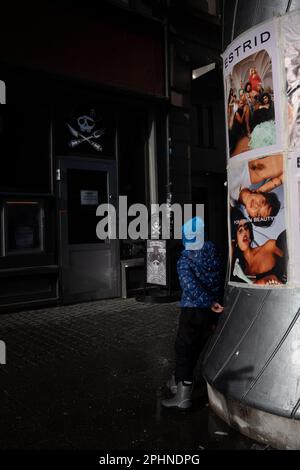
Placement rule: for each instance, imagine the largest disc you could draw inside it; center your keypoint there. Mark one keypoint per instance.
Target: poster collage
(256, 159)
(291, 56)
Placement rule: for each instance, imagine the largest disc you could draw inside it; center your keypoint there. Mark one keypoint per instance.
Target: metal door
(90, 267)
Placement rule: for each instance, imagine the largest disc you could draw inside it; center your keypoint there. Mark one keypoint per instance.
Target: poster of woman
(252, 93)
(257, 221)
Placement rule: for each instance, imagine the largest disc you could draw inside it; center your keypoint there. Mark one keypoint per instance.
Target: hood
(193, 234)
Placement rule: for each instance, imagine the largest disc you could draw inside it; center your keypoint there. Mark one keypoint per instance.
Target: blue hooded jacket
(198, 268)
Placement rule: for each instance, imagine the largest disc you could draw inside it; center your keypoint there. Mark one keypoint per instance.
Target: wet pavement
(92, 375)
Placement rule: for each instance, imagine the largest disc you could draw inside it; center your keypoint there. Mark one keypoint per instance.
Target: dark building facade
(198, 162)
(98, 105)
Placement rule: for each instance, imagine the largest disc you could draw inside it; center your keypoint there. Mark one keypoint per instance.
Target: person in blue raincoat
(200, 276)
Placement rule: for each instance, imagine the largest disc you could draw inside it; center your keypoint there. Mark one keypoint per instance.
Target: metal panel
(254, 356)
(229, 11)
(249, 14)
(277, 389)
(236, 321)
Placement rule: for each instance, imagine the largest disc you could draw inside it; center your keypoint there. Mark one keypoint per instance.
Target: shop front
(65, 155)
(70, 139)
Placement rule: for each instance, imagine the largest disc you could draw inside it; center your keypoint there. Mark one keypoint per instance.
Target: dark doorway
(90, 267)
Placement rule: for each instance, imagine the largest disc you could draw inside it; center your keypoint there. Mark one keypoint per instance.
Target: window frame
(6, 252)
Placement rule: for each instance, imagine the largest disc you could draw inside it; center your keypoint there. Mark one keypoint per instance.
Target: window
(86, 190)
(24, 147)
(24, 227)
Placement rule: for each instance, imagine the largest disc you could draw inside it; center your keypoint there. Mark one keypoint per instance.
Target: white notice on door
(89, 198)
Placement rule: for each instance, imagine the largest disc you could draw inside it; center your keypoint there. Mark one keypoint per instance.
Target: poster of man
(252, 94)
(257, 221)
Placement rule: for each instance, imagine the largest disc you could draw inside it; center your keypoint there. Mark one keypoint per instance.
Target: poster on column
(291, 51)
(294, 208)
(252, 93)
(257, 222)
(290, 34)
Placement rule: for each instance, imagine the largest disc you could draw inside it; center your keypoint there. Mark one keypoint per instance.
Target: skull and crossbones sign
(86, 124)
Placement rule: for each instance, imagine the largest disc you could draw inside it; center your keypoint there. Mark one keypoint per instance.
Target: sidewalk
(91, 376)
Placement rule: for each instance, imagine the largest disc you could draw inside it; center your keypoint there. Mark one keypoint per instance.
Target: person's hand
(217, 308)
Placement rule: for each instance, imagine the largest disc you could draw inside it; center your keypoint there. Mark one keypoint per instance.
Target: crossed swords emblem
(81, 138)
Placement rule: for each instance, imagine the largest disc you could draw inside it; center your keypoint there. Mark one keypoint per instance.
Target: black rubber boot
(182, 400)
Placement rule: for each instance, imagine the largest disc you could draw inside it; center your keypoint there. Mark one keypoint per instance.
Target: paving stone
(91, 376)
